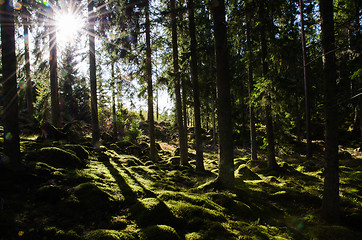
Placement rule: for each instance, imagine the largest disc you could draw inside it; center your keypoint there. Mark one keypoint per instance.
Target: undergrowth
(76, 192)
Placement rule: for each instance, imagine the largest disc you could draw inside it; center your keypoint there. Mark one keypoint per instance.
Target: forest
(190, 120)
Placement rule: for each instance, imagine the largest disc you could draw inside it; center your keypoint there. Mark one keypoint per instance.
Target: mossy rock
(79, 150)
(240, 161)
(59, 158)
(174, 160)
(107, 234)
(332, 233)
(45, 169)
(54, 233)
(185, 211)
(50, 193)
(260, 164)
(151, 211)
(194, 236)
(245, 173)
(92, 198)
(160, 232)
(143, 145)
(232, 206)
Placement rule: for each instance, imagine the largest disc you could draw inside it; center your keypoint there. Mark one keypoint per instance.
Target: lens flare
(130, 38)
(9, 136)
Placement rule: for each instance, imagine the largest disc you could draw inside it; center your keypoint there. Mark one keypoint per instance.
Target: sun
(69, 26)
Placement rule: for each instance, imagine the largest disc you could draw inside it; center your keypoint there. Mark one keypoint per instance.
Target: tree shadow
(145, 210)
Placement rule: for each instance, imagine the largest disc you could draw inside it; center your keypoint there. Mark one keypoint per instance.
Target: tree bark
(253, 148)
(306, 84)
(92, 76)
(114, 114)
(9, 88)
(180, 123)
(153, 151)
(226, 160)
(196, 91)
(330, 202)
(29, 87)
(54, 74)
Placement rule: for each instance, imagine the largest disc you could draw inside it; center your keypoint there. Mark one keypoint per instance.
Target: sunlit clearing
(68, 27)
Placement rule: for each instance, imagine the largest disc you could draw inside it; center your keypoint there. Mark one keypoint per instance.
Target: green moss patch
(92, 198)
(245, 173)
(152, 211)
(159, 232)
(107, 234)
(79, 150)
(56, 157)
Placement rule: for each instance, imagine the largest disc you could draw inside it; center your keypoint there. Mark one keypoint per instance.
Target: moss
(92, 199)
(245, 173)
(332, 233)
(196, 199)
(186, 211)
(79, 150)
(118, 222)
(54, 233)
(174, 160)
(151, 211)
(46, 169)
(194, 236)
(159, 232)
(50, 193)
(235, 207)
(58, 158)
(107, 234)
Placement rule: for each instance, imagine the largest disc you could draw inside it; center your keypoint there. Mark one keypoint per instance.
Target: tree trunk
(330, 202)
(272, 164)
(226, 160)
(180, 123)
(214, 139)
(306, 84)
(92, 76)
(9, 93)
(153, 151)
(29, 87)
(184, 104)
(54, 74)
(253, 148)
(114, 114)
(195, 85)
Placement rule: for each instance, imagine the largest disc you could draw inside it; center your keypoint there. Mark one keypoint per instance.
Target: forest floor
(71, 191)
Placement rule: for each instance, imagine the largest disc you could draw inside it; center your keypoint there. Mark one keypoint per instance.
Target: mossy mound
(56, 157)
(55, 233)
(151, 211)
(196, 199)
(92, 198)
(174, 160)
(186, 211)
(160, 232)
(332, 233)
(79, 150)
(50, 193)
(107, 234)
(232, 206)
(245, 173)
